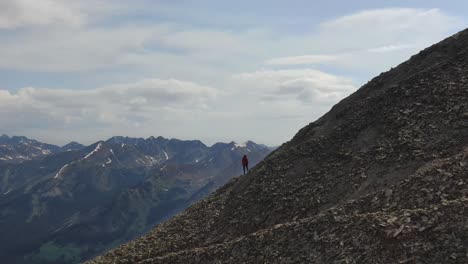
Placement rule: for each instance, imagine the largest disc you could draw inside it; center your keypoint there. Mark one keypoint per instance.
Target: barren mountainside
(381, 178)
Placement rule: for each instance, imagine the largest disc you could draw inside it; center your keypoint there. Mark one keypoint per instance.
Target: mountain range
(17, 149)
(66, 204)
(381, 178)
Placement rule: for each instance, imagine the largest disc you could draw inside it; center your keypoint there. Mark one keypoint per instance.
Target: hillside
(380, 178)
(80, 201)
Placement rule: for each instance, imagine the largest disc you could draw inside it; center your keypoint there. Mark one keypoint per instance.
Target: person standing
(245, 164)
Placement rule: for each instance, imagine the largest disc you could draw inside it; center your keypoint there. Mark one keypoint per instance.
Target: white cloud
(71, 39)
(375, 40)
(65, 50)
(390, 48)
(300, 60)
(361, 40)
(157, 45)
(387, 26)
(370, 41)
(305, 85)
(119, 104)
(22, 13)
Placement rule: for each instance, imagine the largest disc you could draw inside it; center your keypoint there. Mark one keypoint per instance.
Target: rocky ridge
(381, 178)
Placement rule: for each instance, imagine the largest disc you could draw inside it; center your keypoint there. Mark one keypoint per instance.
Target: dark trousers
(245, 167)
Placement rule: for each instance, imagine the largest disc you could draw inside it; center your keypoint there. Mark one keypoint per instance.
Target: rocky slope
(80, 201)
(381, 178)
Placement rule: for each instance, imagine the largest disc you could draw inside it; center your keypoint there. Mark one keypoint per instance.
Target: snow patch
(242, 145)
(153, 160)
(167, 156)
(196, 161)
(98, 147)
(44, 151)
(108, 161)
(60, 171)
(7, 192)
(163, 167)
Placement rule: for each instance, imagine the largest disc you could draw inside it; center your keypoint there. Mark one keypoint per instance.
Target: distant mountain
(72, 146)
(79, 201)
(17, 149)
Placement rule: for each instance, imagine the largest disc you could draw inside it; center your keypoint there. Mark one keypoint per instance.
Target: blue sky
(210, 70)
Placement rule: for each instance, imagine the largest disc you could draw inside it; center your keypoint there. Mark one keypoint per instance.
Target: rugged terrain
(17, 149)
(74, 202)
(381, 178)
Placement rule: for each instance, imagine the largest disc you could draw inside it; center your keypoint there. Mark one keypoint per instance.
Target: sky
(210, 70)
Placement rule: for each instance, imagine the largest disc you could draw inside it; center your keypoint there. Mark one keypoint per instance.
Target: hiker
(245, 163)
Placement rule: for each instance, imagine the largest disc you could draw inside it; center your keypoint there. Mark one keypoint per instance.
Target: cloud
(368, 42)
(68, 50)
(23, 13)
(375, 40)
(119, 104)
(304, 85)
(361, 41)
(262, 71)
(300, 60)
(94, 48)
(390, 48)
(388, 26)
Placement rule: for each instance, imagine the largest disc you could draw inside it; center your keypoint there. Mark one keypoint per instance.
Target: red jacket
(245, 161)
